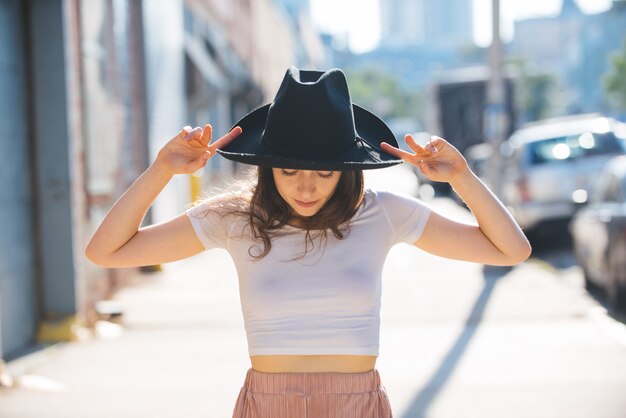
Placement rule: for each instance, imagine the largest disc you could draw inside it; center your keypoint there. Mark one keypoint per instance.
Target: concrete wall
(17, 256)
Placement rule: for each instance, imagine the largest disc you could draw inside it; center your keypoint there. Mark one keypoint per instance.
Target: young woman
(308, 240)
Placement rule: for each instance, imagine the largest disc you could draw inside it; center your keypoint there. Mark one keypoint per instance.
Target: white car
(550, 168)
(599, 235)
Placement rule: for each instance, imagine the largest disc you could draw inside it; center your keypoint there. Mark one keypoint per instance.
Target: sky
(363, 28)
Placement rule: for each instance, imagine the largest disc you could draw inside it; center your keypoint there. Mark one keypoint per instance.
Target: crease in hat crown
(327, 129)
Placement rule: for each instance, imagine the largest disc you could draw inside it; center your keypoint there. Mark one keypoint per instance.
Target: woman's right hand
(189, 151)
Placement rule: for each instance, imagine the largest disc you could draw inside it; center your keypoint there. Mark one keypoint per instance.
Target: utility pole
(495, 116)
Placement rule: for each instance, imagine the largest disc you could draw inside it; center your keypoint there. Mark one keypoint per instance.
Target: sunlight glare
(359, 20)
(587, 140)
(561, 151)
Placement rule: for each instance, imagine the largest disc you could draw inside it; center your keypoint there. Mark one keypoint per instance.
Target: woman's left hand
(438, 160)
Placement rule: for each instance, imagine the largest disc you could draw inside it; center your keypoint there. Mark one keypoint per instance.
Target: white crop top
(327, 302)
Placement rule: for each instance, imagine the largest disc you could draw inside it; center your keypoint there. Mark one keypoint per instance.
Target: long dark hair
(268, 211)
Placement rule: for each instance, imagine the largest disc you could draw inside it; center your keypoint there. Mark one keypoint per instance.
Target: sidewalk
(182, 349)
(181, 353)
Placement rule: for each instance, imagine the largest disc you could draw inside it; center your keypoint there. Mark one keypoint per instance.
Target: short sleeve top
(326, 301)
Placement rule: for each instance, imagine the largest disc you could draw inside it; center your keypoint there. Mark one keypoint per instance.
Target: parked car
(599, 234)
(549, 168)
(478, 157)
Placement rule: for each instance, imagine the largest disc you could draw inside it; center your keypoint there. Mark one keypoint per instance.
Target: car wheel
(589, 284)
(616, 286)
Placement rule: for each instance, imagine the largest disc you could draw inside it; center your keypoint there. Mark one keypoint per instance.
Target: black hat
(312, 125)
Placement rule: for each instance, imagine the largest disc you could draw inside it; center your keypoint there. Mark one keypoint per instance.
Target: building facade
(94, 89)
(576, 49)
(19, 295)
(436, 24)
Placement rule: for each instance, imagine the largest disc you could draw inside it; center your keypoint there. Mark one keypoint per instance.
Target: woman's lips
(306, 204)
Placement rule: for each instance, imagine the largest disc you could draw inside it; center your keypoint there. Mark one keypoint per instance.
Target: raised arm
(120, 242)
(496, 240)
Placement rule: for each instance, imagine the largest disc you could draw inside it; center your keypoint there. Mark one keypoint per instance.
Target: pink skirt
(312, 395)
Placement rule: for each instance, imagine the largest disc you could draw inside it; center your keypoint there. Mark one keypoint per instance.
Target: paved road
(457, 340)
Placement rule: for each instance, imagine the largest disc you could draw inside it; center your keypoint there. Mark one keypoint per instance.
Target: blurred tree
(615, 81)
(380, 92)
(536, 91)
(473, 54)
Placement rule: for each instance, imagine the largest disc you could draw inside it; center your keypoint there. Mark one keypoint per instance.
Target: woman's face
(306, 191)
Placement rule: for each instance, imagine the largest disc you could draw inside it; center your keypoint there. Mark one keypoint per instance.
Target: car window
(566, 148)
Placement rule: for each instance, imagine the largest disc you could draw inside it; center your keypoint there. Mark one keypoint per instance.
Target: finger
(199, 162)
(225, 140)
(424, 168)
(413, 144)
(184, 133)
(190, 134)
(194, 137)
(396, 152)
(206, 135)
(196, 133)
(435, 144)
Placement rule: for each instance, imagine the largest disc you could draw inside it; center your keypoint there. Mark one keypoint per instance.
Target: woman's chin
(306, 213)
(302, 215)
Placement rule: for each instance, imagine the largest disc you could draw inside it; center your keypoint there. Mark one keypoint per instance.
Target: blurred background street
(457, 339)
(533, 93)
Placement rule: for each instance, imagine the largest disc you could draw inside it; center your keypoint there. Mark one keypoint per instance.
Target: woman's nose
(306, 182)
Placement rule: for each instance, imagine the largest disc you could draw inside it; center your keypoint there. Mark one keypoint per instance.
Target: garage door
(18, 317)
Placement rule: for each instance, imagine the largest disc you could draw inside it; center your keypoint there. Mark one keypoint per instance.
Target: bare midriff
(313, 363)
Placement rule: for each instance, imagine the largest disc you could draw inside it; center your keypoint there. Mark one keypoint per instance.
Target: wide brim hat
(312, 124)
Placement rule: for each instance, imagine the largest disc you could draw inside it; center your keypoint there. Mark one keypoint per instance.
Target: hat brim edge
(278, 161)
(358, 158)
